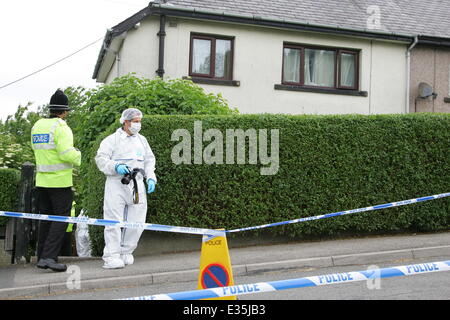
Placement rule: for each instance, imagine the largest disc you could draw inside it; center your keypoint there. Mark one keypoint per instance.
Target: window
(291, 65)
(348, 74)
(211, 57)
(320, 67)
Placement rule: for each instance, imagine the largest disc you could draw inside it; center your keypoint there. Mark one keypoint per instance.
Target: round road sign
(215, 275)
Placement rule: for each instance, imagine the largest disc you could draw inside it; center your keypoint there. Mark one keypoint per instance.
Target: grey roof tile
(409, 17)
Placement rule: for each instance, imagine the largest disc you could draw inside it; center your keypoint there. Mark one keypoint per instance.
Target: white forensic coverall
(135, 152)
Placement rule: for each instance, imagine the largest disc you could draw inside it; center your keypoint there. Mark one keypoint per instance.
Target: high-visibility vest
(52, 143)
(72, 214)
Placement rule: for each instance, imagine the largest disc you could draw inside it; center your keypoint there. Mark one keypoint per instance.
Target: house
(293, 56)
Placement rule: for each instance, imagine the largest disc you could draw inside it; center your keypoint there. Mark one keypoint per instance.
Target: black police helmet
(59, 102)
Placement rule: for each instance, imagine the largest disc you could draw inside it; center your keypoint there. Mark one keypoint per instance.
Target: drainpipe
(161, 35)
(408, 71)
(118, 63)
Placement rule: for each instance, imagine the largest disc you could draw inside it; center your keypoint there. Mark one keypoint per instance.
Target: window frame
(356, 57)
(337, 66)
(302, 63)
(212, 62)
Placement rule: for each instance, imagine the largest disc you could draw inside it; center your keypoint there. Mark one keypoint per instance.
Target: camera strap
(135, 191)
(135, 187)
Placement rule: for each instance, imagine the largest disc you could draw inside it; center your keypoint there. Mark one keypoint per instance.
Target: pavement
(25, 280)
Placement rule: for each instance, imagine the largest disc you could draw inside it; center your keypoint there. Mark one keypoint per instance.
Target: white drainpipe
(408, 71)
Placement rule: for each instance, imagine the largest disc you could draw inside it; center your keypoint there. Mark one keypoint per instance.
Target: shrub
(12, 153)
(326, 164)
(9, 190)
(101, 107)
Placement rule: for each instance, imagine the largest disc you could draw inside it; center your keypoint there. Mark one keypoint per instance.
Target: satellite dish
(425, 91)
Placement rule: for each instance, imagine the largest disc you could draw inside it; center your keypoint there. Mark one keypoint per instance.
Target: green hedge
(9, 190)
(326, 164)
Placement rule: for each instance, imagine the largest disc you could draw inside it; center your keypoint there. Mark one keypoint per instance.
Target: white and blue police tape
(314, 281)
(202, 231)
(112, 223)
(341, 213)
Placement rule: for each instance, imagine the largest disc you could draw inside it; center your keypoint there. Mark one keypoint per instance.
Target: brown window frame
(356, 57)
(337, 66)
(212, 62)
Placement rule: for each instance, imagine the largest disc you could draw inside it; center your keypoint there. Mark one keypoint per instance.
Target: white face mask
(135, 127)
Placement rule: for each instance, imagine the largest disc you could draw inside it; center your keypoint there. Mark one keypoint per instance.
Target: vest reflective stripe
(68, 150)
(52, 131)
(44, 146)
(53, 167)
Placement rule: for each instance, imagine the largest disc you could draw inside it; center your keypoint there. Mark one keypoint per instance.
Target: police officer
(52, 143)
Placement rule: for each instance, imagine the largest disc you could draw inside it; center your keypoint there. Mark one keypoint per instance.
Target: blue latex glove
(122, 169)
(150, 185)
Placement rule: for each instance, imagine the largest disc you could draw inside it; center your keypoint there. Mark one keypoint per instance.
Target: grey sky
(38, 33)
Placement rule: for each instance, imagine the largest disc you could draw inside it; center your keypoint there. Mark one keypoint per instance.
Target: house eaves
(434, 41)
(112, 41)
(249, 19)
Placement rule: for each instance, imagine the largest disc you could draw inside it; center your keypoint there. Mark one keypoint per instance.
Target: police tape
(336, 214)
(112, 223)
(314, 281)
(211, 233)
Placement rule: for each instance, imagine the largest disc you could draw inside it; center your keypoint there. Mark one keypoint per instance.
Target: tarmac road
(175, 272)
(431, 286)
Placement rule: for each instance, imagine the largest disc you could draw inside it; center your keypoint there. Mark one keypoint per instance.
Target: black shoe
(51, 264)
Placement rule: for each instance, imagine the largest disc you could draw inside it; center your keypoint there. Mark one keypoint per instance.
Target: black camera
(130, 176)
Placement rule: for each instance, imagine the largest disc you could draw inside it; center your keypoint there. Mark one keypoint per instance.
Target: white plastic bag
(82, 239)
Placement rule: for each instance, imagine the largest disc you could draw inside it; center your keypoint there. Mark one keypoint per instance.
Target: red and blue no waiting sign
(215, 275)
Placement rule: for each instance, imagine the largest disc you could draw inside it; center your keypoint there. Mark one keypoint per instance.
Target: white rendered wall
(258, 66)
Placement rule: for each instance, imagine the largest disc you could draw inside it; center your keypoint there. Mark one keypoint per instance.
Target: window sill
(322, 90)
(447, 100)
(217, 82)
